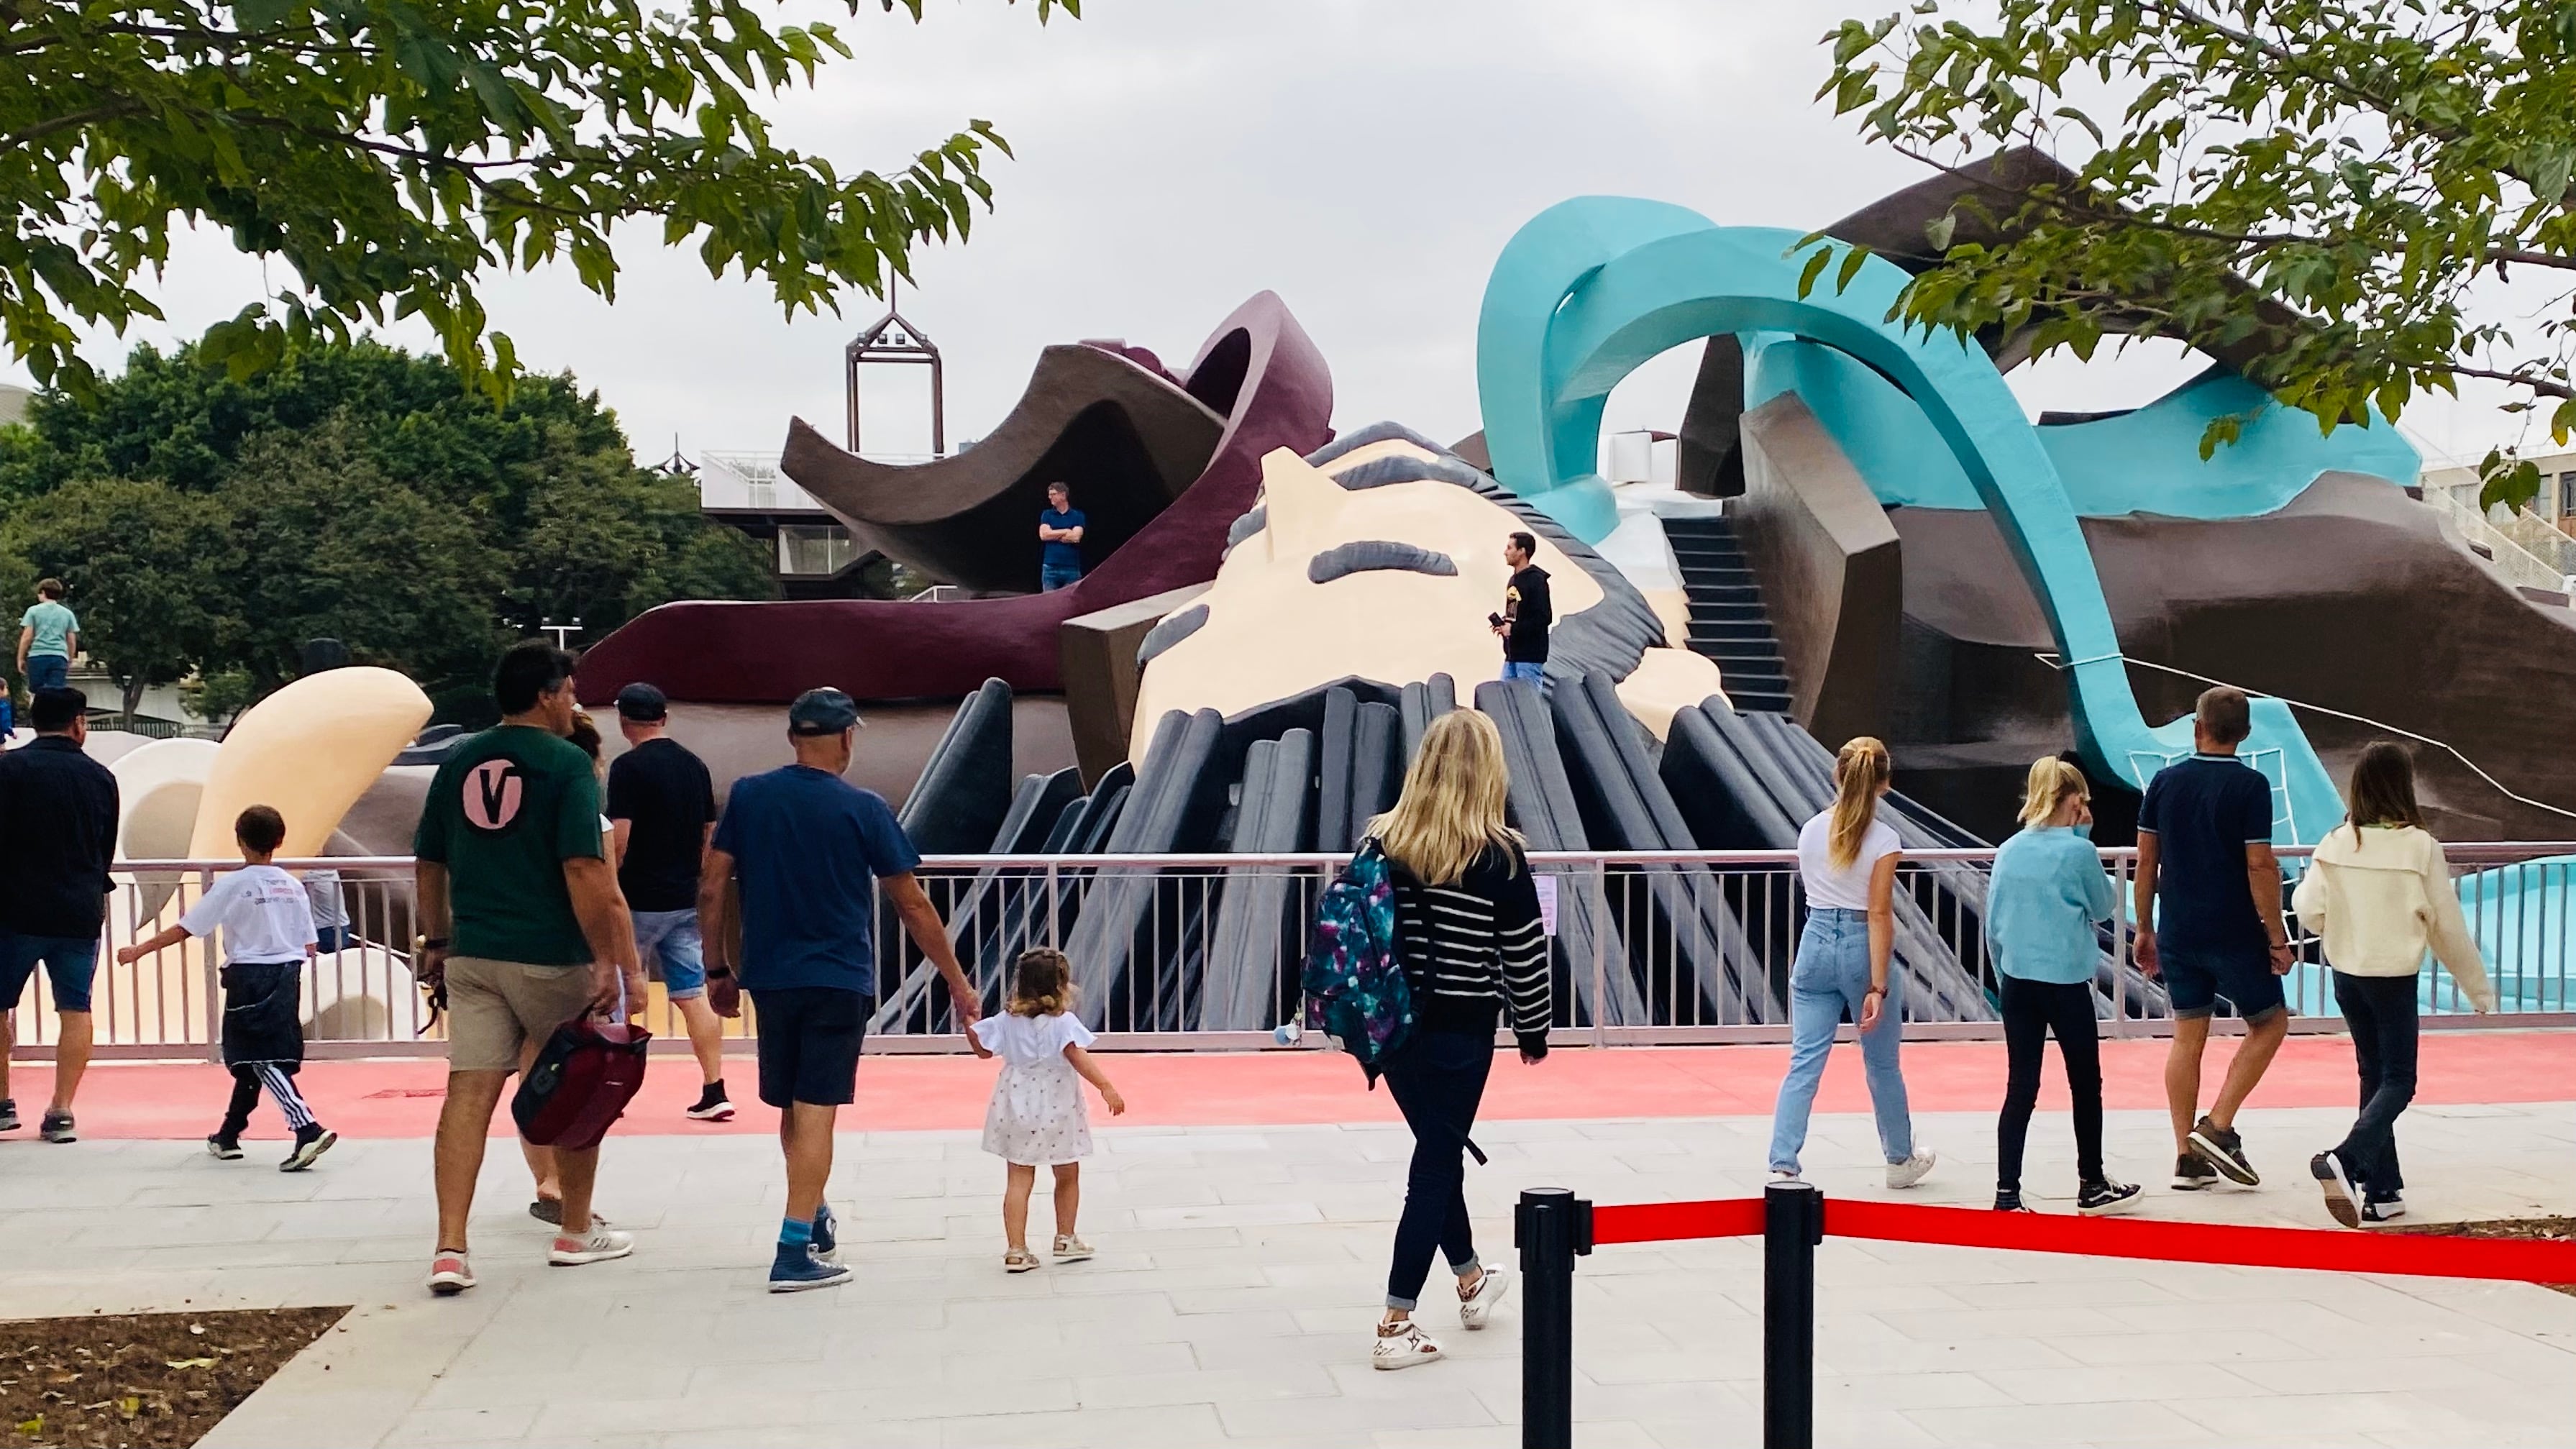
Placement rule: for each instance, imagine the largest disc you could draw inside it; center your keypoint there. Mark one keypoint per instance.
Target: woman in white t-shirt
(1847, 860)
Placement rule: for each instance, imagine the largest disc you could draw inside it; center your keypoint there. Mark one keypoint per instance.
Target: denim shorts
(2197, 979)
(671, 937)
(69, 961)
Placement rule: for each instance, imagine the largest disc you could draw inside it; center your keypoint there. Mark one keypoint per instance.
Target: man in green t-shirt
(522, 923)
(48, 636)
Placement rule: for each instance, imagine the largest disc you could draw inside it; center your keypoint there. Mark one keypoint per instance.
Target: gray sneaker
(8, 1114)
(57, 1127)
(2193, 1175)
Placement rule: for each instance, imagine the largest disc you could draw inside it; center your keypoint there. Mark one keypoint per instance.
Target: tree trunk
(133, 697)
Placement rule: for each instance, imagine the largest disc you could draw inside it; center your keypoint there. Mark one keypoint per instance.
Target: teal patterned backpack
(1356, 991)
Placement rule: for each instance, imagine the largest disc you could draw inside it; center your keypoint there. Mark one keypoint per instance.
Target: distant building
(2546, 529)
(13, 403)
(811, 551)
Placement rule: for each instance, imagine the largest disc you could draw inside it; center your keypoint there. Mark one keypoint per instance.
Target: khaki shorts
(495, 1008)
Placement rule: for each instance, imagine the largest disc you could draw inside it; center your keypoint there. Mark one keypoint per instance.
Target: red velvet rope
(2409, 1254)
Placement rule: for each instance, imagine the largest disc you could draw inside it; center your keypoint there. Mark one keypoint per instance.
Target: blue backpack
(1356, 991)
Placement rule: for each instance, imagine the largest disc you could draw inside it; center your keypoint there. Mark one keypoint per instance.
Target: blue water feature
(1591, 288)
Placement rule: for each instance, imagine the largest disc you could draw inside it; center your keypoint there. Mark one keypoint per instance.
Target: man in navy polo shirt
(811, 850)
(2205, 842)
(1059, 540)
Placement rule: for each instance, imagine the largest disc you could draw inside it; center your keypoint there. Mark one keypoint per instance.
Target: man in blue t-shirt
(810, 851)
(2205, 841)
(1059, 540)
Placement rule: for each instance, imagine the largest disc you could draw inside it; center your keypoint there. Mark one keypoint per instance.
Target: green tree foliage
(2365, 164)
(355, 492)
(149, 569)
(388, 153)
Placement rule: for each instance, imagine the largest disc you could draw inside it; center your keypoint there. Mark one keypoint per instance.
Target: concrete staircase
(1726, 619)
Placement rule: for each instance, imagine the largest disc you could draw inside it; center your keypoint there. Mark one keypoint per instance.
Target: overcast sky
(1366, 159)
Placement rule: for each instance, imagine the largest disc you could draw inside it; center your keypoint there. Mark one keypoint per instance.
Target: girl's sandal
(1019, 1260)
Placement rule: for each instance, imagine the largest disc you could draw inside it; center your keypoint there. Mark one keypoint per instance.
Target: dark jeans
(2034, 1011)
(1437, 1080)
(2381, 1012)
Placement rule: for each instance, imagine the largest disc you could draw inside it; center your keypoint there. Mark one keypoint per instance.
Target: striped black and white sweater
(1476, 947)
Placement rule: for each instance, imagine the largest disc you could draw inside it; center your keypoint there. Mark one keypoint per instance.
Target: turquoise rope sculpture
(1593, 287)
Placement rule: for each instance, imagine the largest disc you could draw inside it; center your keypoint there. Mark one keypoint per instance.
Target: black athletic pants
(2033, 1011)
(2381, 1010)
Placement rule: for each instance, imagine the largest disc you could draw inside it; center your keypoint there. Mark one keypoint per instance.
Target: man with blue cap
(811, 850)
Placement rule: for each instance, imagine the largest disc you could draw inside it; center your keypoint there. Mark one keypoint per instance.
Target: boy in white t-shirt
(268, 936)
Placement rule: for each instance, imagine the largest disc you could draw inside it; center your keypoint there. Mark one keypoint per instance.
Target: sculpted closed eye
(1369, 554)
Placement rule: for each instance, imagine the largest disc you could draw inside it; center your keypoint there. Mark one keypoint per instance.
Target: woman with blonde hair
(2048, 890)
(1847, 860)
(1469, 936)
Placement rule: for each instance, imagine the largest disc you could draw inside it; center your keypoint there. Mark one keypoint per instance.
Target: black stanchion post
(1551, 1225)
(1793, 1223)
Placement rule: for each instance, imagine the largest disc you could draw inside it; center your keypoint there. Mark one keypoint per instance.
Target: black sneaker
(2009, 1202)
(310, 1143)
(2221, 1148)
(57, 1127)
(2382, 1210)
(712, 1104)
(8, 1114)
(2103, 1198)
(2191, 1174)
(222, 1148)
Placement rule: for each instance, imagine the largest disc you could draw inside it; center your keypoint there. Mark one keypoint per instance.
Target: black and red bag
(581, 1082)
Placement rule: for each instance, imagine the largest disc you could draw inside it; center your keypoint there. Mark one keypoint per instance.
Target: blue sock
(795, 1233)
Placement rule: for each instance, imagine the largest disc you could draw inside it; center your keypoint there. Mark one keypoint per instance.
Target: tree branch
(113, 110)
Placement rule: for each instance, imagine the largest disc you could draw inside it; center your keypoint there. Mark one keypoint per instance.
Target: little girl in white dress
(1037, 1116)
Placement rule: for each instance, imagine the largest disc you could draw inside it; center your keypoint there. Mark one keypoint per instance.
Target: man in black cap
(811, 851)
(662, 804)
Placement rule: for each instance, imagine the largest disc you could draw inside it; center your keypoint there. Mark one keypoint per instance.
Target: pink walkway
(401, 1098)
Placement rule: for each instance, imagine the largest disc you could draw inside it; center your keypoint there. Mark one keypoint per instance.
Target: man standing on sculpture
(510, 861)
(59, 807)
(812, 851)
(1060, 540)
(2205, 842)
(1527, 613)
(662, 804)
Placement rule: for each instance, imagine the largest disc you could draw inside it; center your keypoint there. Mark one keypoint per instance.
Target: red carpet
(401, 1098)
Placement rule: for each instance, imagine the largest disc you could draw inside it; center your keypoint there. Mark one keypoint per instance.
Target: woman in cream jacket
(2380, 893)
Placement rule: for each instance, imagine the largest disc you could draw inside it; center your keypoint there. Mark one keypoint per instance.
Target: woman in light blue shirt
(2048, 890)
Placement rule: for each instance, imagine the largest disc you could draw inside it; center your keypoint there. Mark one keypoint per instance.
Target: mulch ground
(2554, 1230)
(146, 1380)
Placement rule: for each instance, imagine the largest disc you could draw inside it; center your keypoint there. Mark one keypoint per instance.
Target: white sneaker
(1902, 1175)
(1783, 1175)
(1404, 1348)
(597, 1246)
(1478, 1306)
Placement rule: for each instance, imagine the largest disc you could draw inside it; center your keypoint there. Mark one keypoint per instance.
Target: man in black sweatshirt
(1527, 613)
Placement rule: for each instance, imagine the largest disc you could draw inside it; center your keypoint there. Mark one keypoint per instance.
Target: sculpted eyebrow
(1369, 554)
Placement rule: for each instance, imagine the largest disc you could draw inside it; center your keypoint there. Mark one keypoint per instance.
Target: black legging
(2033, 1010)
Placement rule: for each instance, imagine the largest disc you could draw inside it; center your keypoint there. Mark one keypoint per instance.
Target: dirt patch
(145, 1380)
(2550, 1230)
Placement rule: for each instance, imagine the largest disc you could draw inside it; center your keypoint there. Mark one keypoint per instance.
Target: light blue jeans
(1831, 977)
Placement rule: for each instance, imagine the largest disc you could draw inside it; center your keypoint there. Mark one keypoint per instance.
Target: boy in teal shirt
(47, 635)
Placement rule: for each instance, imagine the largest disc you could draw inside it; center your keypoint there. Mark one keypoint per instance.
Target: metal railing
(1179, 952)
(2510, 547)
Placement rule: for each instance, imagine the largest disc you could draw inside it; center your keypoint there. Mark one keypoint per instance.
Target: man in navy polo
(1059, 540)
(2205, 842)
